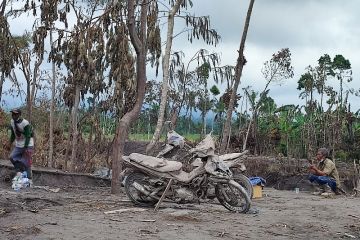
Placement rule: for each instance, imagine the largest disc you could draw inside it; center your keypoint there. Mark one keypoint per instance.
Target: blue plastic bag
(257, 181)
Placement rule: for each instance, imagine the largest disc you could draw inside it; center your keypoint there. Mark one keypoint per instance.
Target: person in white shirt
(22, 135)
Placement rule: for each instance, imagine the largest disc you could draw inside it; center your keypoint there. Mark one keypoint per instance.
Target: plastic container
(257, 191)
(16, 188)
(17, 182)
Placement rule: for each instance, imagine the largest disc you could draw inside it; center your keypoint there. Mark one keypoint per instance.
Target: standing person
(22, 134)
(325, 173)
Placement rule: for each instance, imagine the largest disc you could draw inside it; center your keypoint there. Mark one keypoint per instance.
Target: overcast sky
(309, 28)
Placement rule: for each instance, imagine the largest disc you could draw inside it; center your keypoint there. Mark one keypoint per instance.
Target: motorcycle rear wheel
(136, 196)
(232, 198)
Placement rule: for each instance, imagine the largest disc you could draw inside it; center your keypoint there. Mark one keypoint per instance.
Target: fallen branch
(349, 235)
(126, 210)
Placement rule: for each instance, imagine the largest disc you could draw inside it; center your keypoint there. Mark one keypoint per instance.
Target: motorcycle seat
(230, 156)
(161, 165)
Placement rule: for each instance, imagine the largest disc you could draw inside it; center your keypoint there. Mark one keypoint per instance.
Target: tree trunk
(203, 121)
(52, 107)
(247, 134)
(255, 126)
(341, 93)
(238, 71)
(165, 84)
(2, 80)
(75, 132)
(32, 86)
(122, 130)
(28, 99)
(174, 118)
(190, 121)
(68, 143)
(357, 177)
(88, 161)
(3, 6)
(240, 118)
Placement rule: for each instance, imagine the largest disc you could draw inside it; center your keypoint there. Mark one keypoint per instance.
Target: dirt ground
(77, 206)
(85, 213)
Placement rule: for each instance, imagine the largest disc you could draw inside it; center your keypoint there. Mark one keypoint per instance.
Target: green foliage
(203, 70)
(306, 82)
(215, 90)
(341, 63)
(267, 105)
(342, 155)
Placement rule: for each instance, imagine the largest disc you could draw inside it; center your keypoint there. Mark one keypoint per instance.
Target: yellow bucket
(257, 191)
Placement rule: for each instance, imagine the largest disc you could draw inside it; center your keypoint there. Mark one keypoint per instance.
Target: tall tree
(6, 59)
(185, 79)
(165, 69)
(201, 29)
(52, 108)
(276, 69)
(15, 51)
(323, 71)
(342, 70)
(238, 71)
(141, 31)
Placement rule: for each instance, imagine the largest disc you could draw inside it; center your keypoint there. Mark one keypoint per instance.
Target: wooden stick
(163, 195)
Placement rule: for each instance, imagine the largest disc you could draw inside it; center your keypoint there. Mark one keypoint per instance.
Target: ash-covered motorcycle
(155, 179)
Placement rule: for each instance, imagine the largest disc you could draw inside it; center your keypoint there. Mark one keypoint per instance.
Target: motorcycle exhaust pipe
(141, 189)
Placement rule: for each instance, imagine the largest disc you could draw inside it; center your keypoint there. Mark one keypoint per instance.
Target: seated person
(325, 173)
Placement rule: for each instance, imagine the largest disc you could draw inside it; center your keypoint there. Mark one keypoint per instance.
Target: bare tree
(277, 69)
(165, 70)
(238, 71)
(52, 109)
(16, 52)
(29, 69)
(3, 25)
(201, 29)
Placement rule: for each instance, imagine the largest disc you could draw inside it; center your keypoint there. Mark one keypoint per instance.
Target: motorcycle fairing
(230, 156)
(205, 148)
(160, 164)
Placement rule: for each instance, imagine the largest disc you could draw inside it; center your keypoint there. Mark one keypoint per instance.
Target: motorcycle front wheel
(244, 182)
(233, 197)
(136, 187)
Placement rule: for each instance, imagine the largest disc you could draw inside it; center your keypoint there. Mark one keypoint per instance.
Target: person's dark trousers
(20, 167)
(21, 161)
(321, 180)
